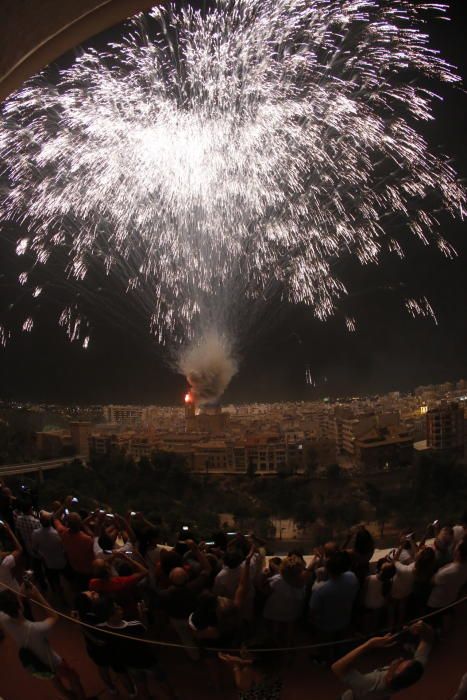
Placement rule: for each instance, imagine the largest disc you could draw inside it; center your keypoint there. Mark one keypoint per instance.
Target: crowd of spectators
(222, 600)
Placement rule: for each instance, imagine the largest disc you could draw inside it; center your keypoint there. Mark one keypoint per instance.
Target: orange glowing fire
(188, 398)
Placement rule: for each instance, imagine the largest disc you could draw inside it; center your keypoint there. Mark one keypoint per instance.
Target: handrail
(301, 647)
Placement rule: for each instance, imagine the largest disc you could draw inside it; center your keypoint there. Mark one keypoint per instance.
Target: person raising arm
(8, 561)
(382, 682)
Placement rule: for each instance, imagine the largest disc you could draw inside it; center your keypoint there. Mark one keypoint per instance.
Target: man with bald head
(181, 598)
(122, 588)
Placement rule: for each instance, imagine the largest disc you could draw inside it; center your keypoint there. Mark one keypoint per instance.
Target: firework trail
(421, 307)
(234, 152)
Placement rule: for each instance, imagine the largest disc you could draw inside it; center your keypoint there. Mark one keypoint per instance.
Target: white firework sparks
(249, 146)
(309, 378)
(71, 320)
(28, 325)
(420, 307)
(4, 335)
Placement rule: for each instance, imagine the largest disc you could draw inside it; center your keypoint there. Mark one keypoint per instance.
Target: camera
(28, 577)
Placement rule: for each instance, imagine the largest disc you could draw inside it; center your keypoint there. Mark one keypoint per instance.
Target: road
(36, 467)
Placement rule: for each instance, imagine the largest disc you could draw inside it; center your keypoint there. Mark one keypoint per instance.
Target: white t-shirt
(461, 693)
(97, 549)
(226, 581)
(33, 636)
(151, 559)
(405, 557)
(459, 533)
(447, 583)
(47, 543)
(317, 585)
(6, 575)
(372, 685)
(402, 582)
(285, 603)
(374, 599)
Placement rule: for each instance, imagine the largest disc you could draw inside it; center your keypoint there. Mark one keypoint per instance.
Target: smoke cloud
(209, 364)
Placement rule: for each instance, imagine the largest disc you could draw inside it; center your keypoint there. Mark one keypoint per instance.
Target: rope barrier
(155, 642)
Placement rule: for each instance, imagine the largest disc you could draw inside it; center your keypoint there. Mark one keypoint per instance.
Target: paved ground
(303, 681)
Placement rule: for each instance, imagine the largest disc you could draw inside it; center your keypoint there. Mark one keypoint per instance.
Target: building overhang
(37, 32)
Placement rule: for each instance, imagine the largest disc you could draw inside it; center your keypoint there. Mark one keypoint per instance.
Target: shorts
(100, 656)
(64, 671)
(53, 577)
(139, 673)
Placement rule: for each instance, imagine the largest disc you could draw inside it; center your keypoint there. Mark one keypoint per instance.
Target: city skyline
(447, 386)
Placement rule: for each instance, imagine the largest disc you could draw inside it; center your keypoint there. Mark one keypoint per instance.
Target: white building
(124, 415)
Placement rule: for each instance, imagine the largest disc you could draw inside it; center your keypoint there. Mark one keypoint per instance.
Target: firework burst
(233, 152)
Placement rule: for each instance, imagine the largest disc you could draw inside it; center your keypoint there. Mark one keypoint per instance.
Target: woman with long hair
(423, 569)
(256, 674)
(377, 594)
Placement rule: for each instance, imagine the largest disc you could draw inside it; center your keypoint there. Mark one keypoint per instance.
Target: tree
(373, 494)
(284, 470)
(311, 460)
(330, 514)
(304, 514)
(251, 469)
(342, 514)
(384, 510)
(349, 512)
(333, 471)
(241, 512)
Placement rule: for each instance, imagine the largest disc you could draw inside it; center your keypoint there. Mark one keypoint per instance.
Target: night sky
(389, 351)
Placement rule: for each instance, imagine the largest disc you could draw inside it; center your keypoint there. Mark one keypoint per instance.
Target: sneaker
(317, 661)
(112, 690)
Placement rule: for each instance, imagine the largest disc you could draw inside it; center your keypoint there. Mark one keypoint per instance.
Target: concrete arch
(33, 33)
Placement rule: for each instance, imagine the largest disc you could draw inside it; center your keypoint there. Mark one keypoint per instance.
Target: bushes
(165, 489)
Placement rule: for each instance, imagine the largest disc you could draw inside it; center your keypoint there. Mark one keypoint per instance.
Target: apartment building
(445, 427)
(124, 415)
(383, 448)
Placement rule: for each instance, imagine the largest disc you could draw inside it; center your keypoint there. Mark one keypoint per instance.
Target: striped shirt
(25, 526)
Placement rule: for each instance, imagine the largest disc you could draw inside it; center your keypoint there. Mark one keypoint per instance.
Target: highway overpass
(36, 467)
